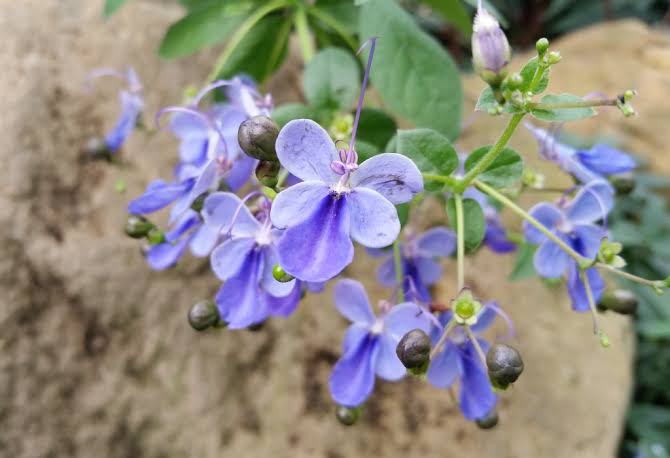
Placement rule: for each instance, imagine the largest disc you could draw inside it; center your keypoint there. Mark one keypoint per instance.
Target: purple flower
(244, 261)
(132, 104)
(490, 49)
(419, 265)
(369, 343)
(337, 201)
(574, 222)
(586, 165)
(458, 360)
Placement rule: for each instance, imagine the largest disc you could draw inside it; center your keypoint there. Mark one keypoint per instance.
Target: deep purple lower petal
(353, 377)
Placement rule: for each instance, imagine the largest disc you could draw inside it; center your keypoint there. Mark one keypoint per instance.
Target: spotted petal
(392, 175)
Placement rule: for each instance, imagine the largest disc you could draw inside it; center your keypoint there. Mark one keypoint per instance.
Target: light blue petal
(353, 377)
(437, 241)
(550, 260)
(577, 290)
(587, 238)
(445, 367)
(392, 175)
(387, 364)
(229, 257)
(592, 203)
(221, 209)
(476, 396)
(158, 195)
(605, 160)
(297, 203)
(548, 215)
(352, 302)
(405, 317)
(374, 220)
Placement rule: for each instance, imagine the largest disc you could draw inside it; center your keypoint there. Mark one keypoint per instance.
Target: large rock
(97, 358)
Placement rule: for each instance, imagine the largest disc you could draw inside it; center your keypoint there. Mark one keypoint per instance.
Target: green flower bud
(542, 45)
(203, 315)
(514, 81)
(155, 236)
(554, 57)
(413, 350)
(504, 364)
(138, 226)
(609, 254)
(620, 300)
(624, 183)
(491, 52)
(267, 172)
(348, 416)
(623, 103)
(257, 137)
(490, 420)
(280, 274)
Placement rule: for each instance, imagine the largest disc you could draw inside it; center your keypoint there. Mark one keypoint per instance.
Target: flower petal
(387, 364)
(203, 183)
(577, 290)
(392, 175)
(228, 258)
(550, 260)
(605, 160)
(437, 241)
(240, 173)
(296, 203)
(284, 306)
(268, 282)
(428, 270)
(204, 240)
(159, 194)
(165, 255)
(353, 377)
(485, 319)
(404, 317)
(239, 299)
(586, 239)
(221, 209)
(374, 220)
(548, 215)
(592, 203)
(187, 126)
(445, 367)
(476, 397)
(319, 247)
(496, 237)
(352, 302)
(131, 108)
(306, 150)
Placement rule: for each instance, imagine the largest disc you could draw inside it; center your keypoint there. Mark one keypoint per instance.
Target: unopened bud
(203, 315)
(621, 301)
(267, 173)
(623, 183)
(609, 254)
(413, 350)
(257, 137)
(281, 275)
(256, 327)
(554, 57)
(514, 81)
(542, 45)
(490, 420)
(155, 236)
(138, 226)
(348, 416)
(491, 52)
(504, 364)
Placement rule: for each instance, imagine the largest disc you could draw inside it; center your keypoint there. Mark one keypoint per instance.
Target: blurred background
(97, 358)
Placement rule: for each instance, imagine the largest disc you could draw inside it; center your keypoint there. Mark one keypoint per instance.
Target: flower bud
(413, 350)
(257, 137)
(542, 45)
(256, 327)
(514, 81)
(138, 226)
(280, 274)
(623, 183)
(155, 236)
(266, 173)
(554, 57)
(348, 416)
(504, 365)
(490, 50)
(488, 421)
(203, 315)
(621, 301)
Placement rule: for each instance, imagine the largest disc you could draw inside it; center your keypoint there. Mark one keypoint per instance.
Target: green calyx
(609, 254)
(466, 308)
(341, 126)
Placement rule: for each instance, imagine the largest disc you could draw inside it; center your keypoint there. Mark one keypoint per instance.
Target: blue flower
(369, 346)
(458, 360)
(132, 104)
(244, 261)
(337, 201)
(418, 259)
(574, 222)
(586, 165)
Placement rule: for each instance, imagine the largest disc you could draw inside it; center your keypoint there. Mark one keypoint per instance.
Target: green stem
(440, 178)
(334, 24)
(626, 275)
(537, 77)
(460, 240)
(304, 37)
(592, 303)
(241, 32)
(582, 261)
(399, 275)
(569, 105)
(491, 155)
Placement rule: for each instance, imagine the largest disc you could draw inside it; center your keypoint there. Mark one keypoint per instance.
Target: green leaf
(413, 73)
(403, 213)
(474, 223)
(376, 127)
(366, 150)
(505, 171)
(192, 5)
(562, 114)
(528, 73)
(454, 12)
(206, 26)
(332, 79)
(111, 6)
(285, 113)
(261, 51)
(523, 265)
(431, 152)
(487, 101)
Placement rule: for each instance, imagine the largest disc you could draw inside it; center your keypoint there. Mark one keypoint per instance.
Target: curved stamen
(101, 72)
(207, 89)
(373, 43)
(601, 204)
(196, 113)
(511, 333)
(242, 203)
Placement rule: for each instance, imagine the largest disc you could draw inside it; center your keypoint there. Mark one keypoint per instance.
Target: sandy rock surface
(97, 359)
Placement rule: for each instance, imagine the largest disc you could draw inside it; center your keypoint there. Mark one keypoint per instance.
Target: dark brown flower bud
(504, 365)
(257, 137)
(413, 350)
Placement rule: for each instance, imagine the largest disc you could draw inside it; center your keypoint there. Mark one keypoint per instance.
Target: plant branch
(460, 240)
(568, 105)
(302, 28)
(399, 274)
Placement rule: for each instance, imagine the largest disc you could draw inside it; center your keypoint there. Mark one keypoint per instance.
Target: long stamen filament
(361, 97)
(443, 338)
(475, 343)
